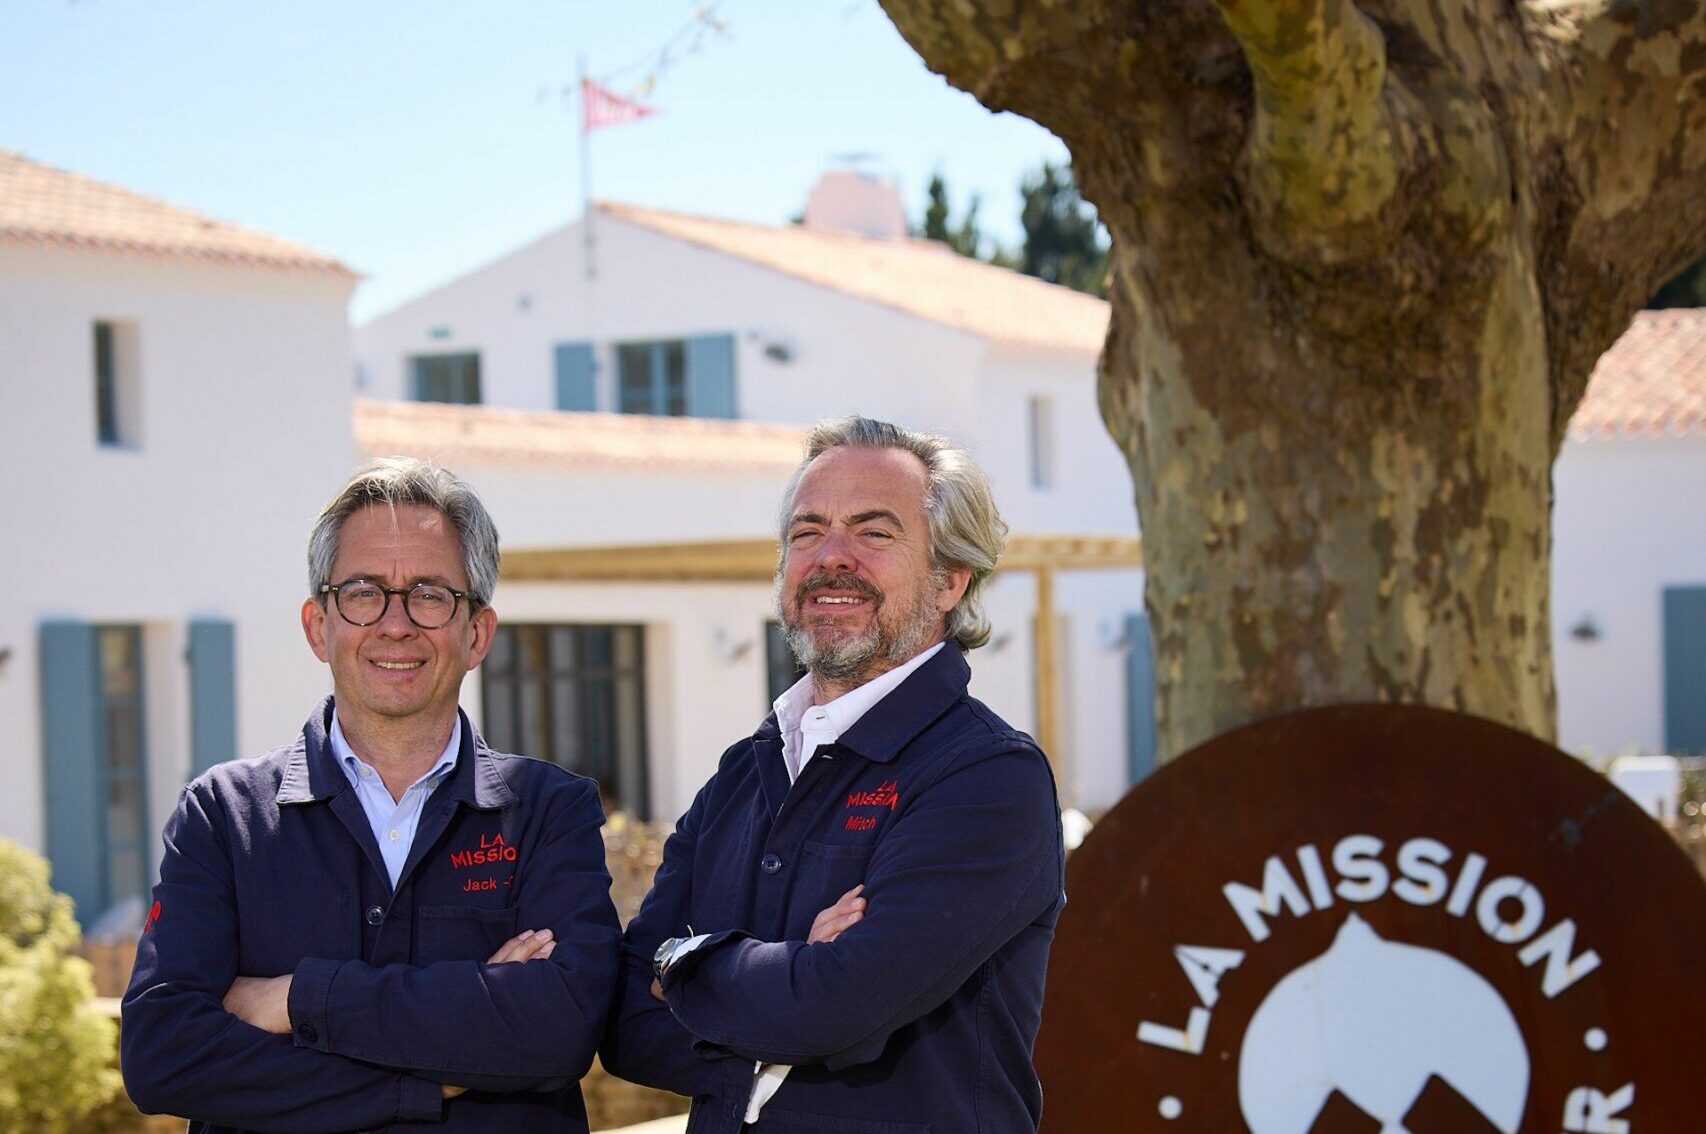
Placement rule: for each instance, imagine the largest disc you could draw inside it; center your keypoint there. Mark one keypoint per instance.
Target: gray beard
(867, 655)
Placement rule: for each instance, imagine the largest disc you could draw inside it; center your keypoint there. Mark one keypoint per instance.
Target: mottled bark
(1365, 256)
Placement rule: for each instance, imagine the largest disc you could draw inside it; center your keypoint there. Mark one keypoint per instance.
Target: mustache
(843, 581)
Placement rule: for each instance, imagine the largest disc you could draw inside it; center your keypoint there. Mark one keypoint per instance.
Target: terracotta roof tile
(1651, 383)
(482, 436)
(44, 206)
(920, 277)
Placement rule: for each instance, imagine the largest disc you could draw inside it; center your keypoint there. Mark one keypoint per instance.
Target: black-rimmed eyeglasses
(363, 602)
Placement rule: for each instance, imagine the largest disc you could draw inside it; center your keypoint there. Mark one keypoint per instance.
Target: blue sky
(417, 140)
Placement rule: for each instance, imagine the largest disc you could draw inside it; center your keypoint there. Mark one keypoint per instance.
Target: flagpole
(586, 171)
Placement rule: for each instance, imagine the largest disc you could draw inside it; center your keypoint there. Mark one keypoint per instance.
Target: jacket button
(375, 915)
(770, 864)
(307, 1033)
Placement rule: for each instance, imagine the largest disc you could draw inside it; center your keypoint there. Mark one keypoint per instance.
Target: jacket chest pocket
(460, 933)
(827, 871)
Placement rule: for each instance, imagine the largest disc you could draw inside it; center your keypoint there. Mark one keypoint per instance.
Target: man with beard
(850, 926)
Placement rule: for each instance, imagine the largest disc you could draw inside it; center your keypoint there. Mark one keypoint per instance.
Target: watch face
(660, 959)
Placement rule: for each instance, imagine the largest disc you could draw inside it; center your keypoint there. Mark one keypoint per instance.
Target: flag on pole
(601, 106)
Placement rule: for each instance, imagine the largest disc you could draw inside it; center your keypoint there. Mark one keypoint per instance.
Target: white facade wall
(1630, 520)
(848, 355)
(544, 508)
(244, 378)
(1085, 489)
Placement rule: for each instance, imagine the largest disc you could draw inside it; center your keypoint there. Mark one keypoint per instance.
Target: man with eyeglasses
(385, 923)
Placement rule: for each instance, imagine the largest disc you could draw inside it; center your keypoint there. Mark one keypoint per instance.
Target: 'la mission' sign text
(1373, 918)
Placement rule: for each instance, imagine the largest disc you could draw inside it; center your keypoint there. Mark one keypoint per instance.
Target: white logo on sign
(1375, 1020)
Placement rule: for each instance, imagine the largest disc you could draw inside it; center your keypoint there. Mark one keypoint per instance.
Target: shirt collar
(353, 764)
(844, 712)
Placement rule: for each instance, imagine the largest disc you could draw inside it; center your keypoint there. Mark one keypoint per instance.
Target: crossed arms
(371, 1045)
(968, 865)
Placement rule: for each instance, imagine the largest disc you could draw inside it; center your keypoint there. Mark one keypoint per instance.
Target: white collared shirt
(394, 821)
(805, 726)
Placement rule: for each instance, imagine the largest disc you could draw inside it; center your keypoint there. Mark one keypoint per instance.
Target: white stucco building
(174, 403)
(178, 397)
(1629, 547)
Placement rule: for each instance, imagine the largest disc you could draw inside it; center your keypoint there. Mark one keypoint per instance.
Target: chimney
(845, 200)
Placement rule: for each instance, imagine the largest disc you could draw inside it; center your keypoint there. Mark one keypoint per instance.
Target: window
(692, 377)
(116, 395)
(652, 378)
(453, 378)
(781, 667)
(124, 788)
(1040, 422)
(95, 763)
(574, 695)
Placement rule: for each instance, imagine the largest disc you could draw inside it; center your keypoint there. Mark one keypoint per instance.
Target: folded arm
(969, 865)
(480, 1025)
(184, 1054)
(645, 1043)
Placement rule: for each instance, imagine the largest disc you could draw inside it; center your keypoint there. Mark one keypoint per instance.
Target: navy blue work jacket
(921, 1017)
(271, 868)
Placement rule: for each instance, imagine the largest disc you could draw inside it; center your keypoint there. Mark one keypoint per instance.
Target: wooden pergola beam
(754, 560)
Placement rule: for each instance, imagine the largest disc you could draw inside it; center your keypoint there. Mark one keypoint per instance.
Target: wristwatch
(665, 956)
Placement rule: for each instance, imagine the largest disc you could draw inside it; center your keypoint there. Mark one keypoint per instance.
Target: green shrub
(56, 1048)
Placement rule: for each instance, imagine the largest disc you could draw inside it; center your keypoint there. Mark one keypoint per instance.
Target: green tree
(1063, 240)
(1364, 258)
(56, 1049)
(964, 237)
(1685, 289)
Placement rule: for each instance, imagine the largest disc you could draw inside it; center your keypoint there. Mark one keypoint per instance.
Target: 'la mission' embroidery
(491, 851)
(887, 794)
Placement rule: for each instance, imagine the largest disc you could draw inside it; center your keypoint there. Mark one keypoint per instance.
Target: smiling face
(394, 674)
(857, 593)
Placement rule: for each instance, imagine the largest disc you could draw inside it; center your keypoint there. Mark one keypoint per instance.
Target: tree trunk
(1363, 260)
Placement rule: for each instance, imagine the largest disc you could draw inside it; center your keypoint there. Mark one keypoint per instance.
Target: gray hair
(966, 529)
(393, 481)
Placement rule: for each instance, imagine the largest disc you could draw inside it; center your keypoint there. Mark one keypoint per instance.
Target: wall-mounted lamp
(1115, 637)
(727, 649)
(5, 656)
(1000, 642)
(1586, 629)
(774, 346)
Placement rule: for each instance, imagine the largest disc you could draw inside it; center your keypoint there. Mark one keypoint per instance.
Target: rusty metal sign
(1380, 919)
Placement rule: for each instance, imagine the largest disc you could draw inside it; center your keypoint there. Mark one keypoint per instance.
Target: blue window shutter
(73, 742)
(213, 692)
(1140, 698)
(711, 376)
(575, 369)
(1685, 670)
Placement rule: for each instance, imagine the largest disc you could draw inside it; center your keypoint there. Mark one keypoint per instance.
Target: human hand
(533, 944)
(261, 1001)
(449, 1091)
(839, 918)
